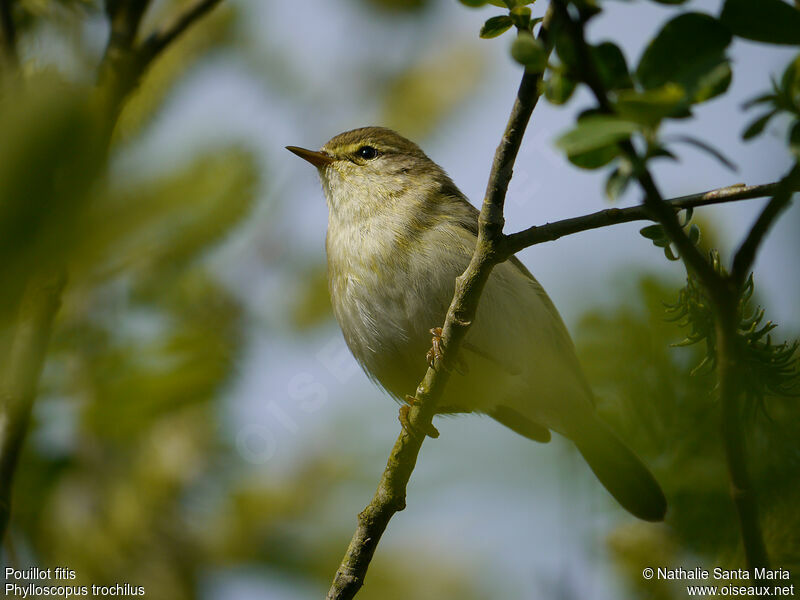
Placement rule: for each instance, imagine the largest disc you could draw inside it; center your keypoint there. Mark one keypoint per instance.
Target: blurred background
(202, 430)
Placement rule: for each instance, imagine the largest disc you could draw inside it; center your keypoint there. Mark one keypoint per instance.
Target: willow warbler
(399, 233)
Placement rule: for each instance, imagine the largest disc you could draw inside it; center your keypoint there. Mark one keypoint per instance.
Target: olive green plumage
(399, 233)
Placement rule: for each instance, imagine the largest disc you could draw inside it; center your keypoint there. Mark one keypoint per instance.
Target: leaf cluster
(783, 99)
(769, 368)
(657, 235)
(525, 49)
(647, 393)
(685, 64)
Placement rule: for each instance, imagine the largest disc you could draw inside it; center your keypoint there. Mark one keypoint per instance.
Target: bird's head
(373, 168)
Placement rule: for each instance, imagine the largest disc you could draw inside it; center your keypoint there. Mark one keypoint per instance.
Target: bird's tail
(620, 470)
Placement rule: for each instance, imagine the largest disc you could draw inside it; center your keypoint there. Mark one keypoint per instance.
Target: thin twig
(8, 33)
(729, 372)
(21, 375)
(746, 255)
(124, 61)
(125, 18)
(729, 361)
(652, 196)
(613, 216)
(160, 39)
(390, 495)
(724, 292)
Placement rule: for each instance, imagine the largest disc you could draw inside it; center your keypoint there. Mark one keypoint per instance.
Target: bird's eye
(367, 152)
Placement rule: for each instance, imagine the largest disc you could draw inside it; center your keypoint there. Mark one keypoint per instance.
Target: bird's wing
(519, 335)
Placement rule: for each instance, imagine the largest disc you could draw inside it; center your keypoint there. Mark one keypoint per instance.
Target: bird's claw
(436, 354)
(430, 431)
(437, 346)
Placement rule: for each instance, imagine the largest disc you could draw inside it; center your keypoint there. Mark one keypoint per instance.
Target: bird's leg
(406, 423)
(436, 353)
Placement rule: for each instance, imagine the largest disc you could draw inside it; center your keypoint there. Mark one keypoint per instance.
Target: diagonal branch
(390, 495)
(746, 255)
(125, 17)
(549, 232)
(8, 33)
(163, 37)
(652, 196)
(124, 62)
(21, 375)
(724, 292)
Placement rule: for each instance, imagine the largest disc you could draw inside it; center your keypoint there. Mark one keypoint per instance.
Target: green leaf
(616, 184)
(587, 9)
(707, 148)
(595, 131)
(658, 151)
(611, 66)
(564, 46)
(687, 216)
(650, 106)
(771, 21)
(687, 51)
(670, 254)
(712, 78)
(521, 15)
(794, 140)
(530, 52)
(694, 234)
(558, 87)
(790, 76)
(473, 3)
(763, 99)
(496, 26)
(594, 159)
(756, 127)
(652, 232)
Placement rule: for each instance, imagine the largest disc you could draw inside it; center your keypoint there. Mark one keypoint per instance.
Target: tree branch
(729, 371)
(390, 495)
(21, 375)
(613, 216)
(652, 196)
(125, 17)
(746, 255)
(8, 33)
(724, 292)
(163, 37)
(124, 63)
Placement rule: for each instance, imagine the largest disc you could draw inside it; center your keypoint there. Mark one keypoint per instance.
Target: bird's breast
(388, 288)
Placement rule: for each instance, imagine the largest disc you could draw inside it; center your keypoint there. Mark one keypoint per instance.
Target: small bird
(399, 233)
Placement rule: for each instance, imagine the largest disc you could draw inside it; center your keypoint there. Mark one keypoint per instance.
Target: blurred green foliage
(398, 6)
(423, 95)
(647, 391)
(129, 473)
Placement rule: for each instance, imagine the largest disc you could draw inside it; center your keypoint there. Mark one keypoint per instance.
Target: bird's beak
(318, 159)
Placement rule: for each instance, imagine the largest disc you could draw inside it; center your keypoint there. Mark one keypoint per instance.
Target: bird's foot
(437, 346)
(430, 431)
(436, 354)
